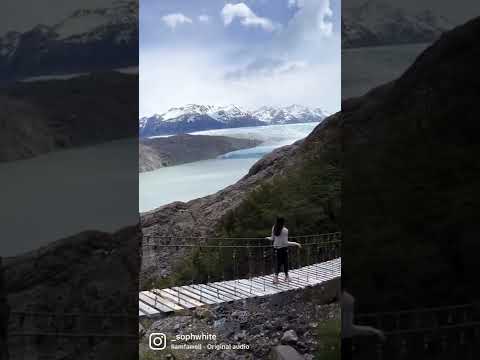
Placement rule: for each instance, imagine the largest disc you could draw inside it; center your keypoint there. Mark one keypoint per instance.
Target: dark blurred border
(69, 163)
(410, 191)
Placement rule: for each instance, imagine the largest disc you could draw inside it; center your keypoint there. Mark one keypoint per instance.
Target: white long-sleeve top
(281, 240)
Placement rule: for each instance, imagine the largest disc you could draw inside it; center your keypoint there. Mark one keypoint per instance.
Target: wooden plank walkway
(158, 301)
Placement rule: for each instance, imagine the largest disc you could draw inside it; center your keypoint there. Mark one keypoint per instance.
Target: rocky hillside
(87, 40)
(74, 275)
(48, 115)
(378, 23)
(410, 193)
(155, 153)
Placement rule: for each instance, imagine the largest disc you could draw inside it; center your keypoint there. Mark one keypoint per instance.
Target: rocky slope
(410, 191)
(150, 159)
(192, 117)
(307, 320)
(74, 275)
(159, 152)
(87, 40)
(377, 23)
(48, 115)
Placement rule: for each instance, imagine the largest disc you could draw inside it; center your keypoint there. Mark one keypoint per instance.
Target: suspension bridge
(218, 270)
(432, 333)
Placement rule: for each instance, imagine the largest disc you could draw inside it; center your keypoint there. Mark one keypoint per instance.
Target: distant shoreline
(158, 152)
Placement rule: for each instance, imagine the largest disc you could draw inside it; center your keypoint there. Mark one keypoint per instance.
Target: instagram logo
(157, 341)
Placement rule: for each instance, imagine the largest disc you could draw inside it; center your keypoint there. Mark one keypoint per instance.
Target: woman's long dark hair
(277, 228)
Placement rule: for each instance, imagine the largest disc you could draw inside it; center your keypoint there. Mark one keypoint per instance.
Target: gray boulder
(285, 352)
(289, 337)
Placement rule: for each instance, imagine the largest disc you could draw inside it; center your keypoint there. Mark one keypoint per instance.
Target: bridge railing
(449, 332)
(218, 259)
(51, 335)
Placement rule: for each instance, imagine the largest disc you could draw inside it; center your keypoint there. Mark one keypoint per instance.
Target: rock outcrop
(155, 153)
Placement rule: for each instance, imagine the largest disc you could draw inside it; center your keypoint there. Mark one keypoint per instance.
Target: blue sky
(250, 53)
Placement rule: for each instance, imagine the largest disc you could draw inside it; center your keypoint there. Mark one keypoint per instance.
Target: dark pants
(347, 348)
(282, 259)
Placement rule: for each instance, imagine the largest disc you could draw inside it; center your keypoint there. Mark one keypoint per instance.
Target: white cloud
(264, 67)
(292, 3)
(311, 30)
(290, 66)
(169, 79)
(247, 17)
(173, 20)
(324, 18)
(299, 63)
(204, 19)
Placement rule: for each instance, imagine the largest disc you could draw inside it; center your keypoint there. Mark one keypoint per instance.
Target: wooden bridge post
(4, 316)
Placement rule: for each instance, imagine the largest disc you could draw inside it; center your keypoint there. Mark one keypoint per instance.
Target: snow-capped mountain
(192, 117)
(87, 40)
(220, 113)
(376, 23)
(289, 115)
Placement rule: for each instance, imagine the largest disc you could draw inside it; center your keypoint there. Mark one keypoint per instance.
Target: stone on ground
(289, 337)
(285, 352)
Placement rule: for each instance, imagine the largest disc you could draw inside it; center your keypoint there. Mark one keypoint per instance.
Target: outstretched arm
(360, 330)
(292, 243)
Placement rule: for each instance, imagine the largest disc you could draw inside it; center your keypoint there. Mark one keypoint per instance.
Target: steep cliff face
(410, 191)
(150, 159)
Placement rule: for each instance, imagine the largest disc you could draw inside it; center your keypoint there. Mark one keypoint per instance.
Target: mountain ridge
(193, 117)
(87, 40)
(376, 23)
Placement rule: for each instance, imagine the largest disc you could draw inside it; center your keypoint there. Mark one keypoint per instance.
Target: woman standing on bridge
(281, 244)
